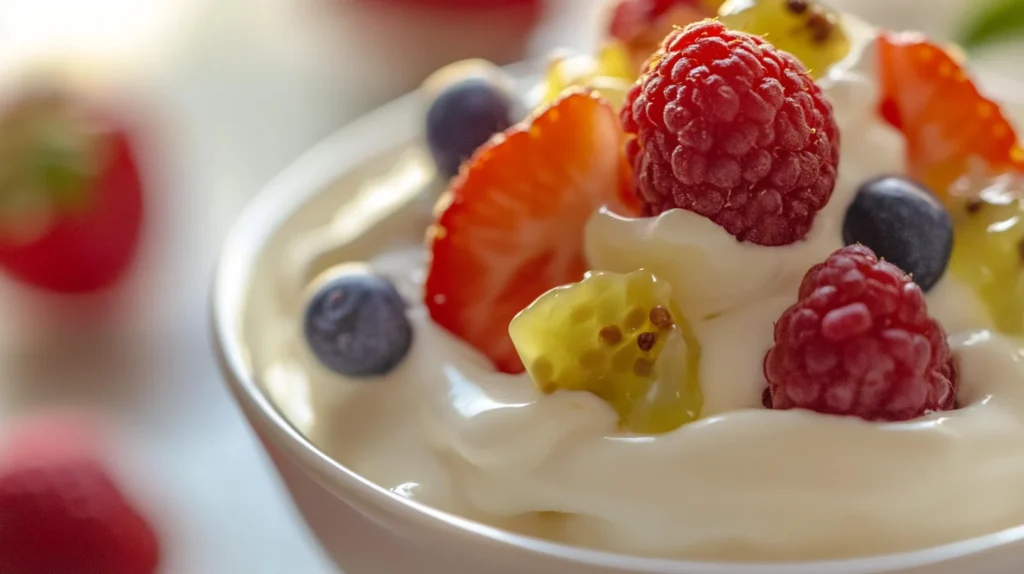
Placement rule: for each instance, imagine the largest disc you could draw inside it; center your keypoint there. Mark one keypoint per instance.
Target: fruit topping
(904, 224)
(989, 250)
(620, 337)
(61, 512)
(804, 28)
(355, 322)
(640, 25)
(948, 125)
(472, 101)
(609, 74)
(725, 125)
(859, 341)
(71, 198)
(510, 226)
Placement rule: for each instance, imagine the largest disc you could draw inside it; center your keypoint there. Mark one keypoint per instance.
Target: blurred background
(219, 96)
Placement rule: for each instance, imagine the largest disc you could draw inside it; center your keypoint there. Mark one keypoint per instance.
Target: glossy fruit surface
(464, 115)
(355, 323)
(803, 28)
(951, 129)
(620, 337)
(511, 225)
(989, 250)
(903, 223)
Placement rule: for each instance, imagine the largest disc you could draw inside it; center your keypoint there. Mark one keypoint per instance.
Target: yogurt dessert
(728, 309)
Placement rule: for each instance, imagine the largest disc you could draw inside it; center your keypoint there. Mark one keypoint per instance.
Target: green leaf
(992, 21)
(64, 171)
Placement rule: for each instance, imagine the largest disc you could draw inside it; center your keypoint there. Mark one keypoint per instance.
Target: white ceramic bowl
(368, 529)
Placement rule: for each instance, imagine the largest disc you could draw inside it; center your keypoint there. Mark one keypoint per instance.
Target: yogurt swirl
(742, 483)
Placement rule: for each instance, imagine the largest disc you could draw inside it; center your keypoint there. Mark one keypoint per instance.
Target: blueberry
(463, 116)
(356, 325)
(903, 223)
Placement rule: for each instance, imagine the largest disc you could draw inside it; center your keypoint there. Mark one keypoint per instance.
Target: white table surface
(233, 89)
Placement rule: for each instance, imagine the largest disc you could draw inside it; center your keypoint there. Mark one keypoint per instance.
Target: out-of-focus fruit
(640, 25)
(510, 226)
(904, 224)
(620, 337)
(71, 199)
(950, 127)
(609, 74)
(990, 22)
(469, 5)
(61, 512)
(859, 342)
(472, 101)
(355, 322)
(613, 62)
(753, 147)
(988, 253)
(804, 28)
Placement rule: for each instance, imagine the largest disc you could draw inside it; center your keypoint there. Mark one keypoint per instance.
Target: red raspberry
(729, 127)
(61, 513)
(859, 342)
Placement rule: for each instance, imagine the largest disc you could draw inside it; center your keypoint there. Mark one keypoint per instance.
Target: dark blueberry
(462, 117)
(904, 224)
(356, 325)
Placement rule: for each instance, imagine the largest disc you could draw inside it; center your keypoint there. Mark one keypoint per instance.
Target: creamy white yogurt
(741, 483)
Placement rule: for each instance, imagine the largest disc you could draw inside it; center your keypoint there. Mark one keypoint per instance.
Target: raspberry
(859, 342)
(726, 126)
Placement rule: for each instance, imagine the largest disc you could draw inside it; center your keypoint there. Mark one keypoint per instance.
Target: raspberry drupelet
(724, 125)
(859, 341)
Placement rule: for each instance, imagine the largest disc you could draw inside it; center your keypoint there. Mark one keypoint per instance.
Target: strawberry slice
(947, 123)
(511, 225)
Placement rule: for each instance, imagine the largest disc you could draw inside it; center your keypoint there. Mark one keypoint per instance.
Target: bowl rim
(308, 176)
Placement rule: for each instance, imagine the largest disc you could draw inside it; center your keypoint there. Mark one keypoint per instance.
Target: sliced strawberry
(947, 123)
(511, 225)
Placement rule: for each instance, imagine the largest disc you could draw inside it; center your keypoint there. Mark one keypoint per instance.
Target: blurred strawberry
(70, 194)
(949, 125)
(641, 25)
(60, 511)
